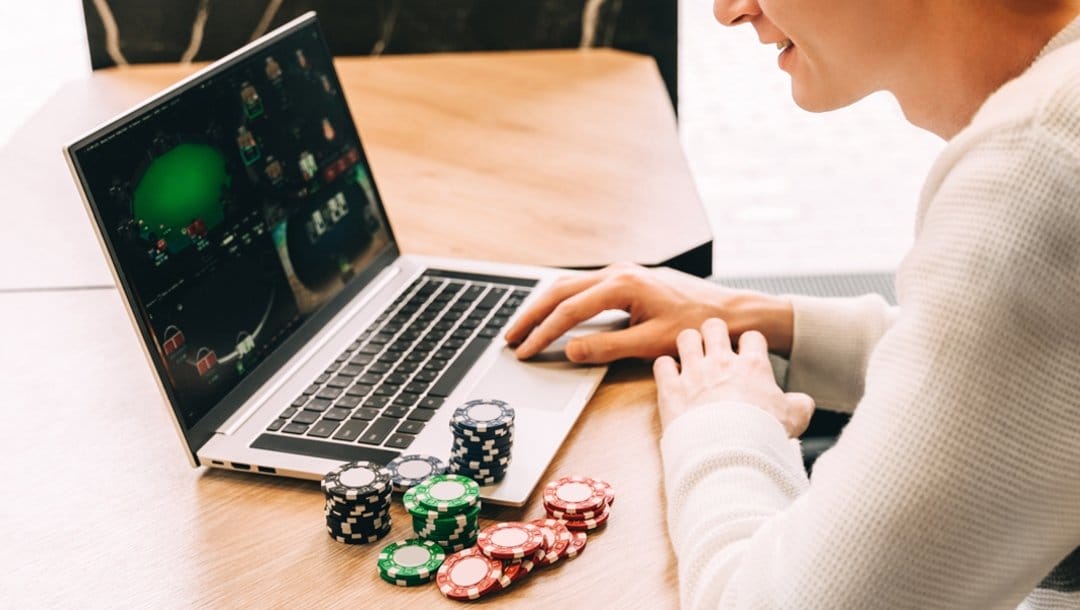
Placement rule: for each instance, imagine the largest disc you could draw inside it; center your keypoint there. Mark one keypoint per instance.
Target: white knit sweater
(957, 482)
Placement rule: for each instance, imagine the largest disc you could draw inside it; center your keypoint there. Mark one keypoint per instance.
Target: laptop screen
(235, 208)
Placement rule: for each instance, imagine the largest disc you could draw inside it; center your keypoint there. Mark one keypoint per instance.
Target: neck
(968, 51)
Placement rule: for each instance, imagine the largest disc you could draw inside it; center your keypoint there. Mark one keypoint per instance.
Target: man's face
(838, 51)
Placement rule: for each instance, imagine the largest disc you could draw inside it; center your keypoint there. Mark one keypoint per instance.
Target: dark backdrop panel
(138, 31)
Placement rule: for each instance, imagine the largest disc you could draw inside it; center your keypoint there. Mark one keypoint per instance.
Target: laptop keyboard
(384, 388)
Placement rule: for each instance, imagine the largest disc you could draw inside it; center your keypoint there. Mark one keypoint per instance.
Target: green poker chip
(411, 560)
(447, 493)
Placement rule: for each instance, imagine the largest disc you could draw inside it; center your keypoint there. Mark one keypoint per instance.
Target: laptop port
(239, 466)
(267, 470)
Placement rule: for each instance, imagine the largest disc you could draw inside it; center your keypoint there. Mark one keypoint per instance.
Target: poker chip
(356, 481)
(412, 561)
(357, 507)
(514, 571)
(510, 540)
(574, 495)
(587, 524)
(410, 470)
(483, 417)
(576, 546)
(447, 493)
(496, 443)
(468, 574)
(557, 539)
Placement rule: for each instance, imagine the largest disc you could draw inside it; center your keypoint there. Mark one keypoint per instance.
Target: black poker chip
(483, 417)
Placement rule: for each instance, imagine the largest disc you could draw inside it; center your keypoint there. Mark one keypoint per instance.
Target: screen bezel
(198, 434)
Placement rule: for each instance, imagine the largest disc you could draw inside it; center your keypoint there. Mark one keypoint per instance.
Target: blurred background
(785, 191)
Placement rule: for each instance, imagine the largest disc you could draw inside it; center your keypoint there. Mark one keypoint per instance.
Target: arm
(832, 342)
(954, 484)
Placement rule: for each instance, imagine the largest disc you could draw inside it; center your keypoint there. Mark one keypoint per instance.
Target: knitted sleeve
(955, 483)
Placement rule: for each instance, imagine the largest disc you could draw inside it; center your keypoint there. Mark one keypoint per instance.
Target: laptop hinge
(259, 399)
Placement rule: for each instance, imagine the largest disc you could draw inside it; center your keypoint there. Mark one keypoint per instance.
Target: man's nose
(734, 12)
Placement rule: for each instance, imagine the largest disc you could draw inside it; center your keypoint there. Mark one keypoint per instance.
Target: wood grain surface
(101, 508)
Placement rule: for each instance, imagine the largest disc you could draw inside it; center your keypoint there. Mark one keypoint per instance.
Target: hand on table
(661, 302)
(709, 371)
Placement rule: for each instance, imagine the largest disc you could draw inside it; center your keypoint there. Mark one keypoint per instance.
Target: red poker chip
(468, 574)
(577, 545)
(555, 513)
(510, 540)
(609, 491)
(587, 524)
(557, 539)
(514, 571)
(574, 495)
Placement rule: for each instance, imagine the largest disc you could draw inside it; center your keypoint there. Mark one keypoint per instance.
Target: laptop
(286, 330)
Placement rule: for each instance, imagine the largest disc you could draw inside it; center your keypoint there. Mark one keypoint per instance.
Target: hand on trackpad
(605, 321)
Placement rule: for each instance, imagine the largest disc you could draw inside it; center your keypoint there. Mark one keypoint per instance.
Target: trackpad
(545, 383)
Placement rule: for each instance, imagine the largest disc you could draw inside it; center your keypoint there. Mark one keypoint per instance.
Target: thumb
(800, 409)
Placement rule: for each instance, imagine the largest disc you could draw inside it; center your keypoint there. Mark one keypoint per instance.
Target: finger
(561, 290)
(800, 410)
(640, 341)
(753, 343)
(714, 333)
(666, 372)
(569, 313)
(690, 347)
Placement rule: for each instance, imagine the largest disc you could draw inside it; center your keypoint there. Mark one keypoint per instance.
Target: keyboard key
(321, 379)
(455, 372)
(462, 333)
(491, 298)
(420, 415)
(499, 321)
(520, 294)
(360, 389)
(410, 427)
(469, 323)
(386, 390)
(378, 368)
(453, 344)
(295, 428)
(355, 345)
(337, 414)
(371, 349)
(445, 354)
(329, 393)
(365, 413)
(351, 370)
(361, 359)
(376, 402)
(323, 429)
(299, 402)
(406, 368)
(350, 430)
(437, 365)
(488, 332)
(400, 441)
(306, 417)
(426, 375)
(416, 357)
(415, 387)
(369, 378)
(340, 381)
(318, 405)
(472, 292)
(407, 399)
(378, 431)
(311, 389)
(289, 412)
(396, 379)
(348, 402)
(276, 424)
(395, 411)
(431, 402)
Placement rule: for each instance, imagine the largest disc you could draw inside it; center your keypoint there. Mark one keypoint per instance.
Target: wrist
(771, 315)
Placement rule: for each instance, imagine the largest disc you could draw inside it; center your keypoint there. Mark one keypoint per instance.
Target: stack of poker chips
(410, 470)
(410, 562)
(483, 436)
(581, 503)
(445, 509)
(357, 502)
(504, 554)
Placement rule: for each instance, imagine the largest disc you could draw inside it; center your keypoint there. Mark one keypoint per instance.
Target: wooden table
(100, 507)
(562, 158)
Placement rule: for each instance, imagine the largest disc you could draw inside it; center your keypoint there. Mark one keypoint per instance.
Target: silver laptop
(287, 332)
